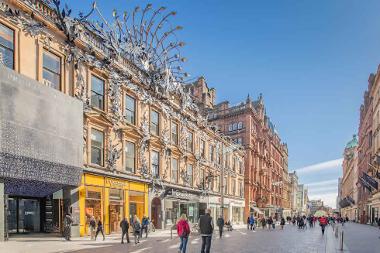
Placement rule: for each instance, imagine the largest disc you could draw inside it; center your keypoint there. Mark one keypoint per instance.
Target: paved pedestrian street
(241, 240)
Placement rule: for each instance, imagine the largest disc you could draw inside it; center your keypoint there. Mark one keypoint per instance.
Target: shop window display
(116, 209)
(136, 204)
(93, 205)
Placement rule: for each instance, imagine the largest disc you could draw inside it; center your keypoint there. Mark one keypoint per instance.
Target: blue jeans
(206, 244)
(182, 246)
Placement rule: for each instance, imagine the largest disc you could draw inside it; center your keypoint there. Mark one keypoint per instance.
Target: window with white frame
(51, 70)
(130, 157)
(97, 147)
(7, 46)
(155, 163)
(130, 109)
(174, 172)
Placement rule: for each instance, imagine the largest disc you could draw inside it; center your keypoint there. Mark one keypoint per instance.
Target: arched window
(240, 125)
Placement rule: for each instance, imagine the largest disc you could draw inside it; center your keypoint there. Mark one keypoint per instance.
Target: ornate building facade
(142, 146)
(365, 149)
(349, 188)
(266, 160)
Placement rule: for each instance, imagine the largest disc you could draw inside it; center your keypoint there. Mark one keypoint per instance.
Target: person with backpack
(144, 226)
(136, 228)
(92, 226)
(99, 229)
(206, 226)
(183, 230)
(323, 223)
(124, 230)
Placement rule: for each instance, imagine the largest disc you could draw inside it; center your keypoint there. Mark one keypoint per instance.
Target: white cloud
(322, 183)
(328, 199)
(328, 165)
(325, 189)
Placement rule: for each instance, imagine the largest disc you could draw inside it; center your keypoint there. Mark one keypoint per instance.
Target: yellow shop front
(110, 199)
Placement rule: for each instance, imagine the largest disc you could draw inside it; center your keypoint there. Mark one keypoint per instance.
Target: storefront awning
(257, 210)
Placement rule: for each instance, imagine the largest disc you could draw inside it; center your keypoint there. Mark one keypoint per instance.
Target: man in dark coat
(124, 230)
(206, 226)
(220, 223)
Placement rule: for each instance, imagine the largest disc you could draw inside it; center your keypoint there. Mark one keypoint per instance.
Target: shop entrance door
(23, 215)
(156, 213)
(116, 215)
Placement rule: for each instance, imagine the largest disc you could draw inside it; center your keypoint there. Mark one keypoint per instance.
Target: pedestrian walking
(220, 224)
(183, 231)
(136, 228)
(252, 222)
(282, 223)
(248, 222)
(67, 227)
(270, 223)
(323, 223)
(144, 226)
(124, 230)
(263, 222)
(206, 226)
(92, 225)
(99, 229)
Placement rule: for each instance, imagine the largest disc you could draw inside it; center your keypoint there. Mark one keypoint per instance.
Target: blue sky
(310, 59)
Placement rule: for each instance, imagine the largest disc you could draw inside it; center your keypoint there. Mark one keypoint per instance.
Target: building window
(154, 122)
(155, 163)
(51, 70)
(202, 178)
(130, 157)
(130, 109)
(211, 153)
(203, 148)
(190, 173)
(97, 92)
(233, 187)
(241, 192)
(190, 143)
(218, 184)
(97, 147)
(174, 133)
(7, 46)
(240, 167)
(174, 174)
(230, 128)
(240, 125)
(225, 185)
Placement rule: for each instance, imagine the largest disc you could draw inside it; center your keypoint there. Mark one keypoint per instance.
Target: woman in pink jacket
(183, 230)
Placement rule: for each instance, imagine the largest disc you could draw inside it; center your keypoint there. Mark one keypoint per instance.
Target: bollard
(341, 240)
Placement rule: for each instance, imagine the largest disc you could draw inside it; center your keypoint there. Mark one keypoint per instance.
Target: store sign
(182, 195)
(114, 183)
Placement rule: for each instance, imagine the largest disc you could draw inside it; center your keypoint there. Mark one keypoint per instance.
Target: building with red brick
(365, 148)
(266, 158)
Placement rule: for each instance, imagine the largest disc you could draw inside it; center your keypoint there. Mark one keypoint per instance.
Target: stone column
(71, 205)
(2, 211)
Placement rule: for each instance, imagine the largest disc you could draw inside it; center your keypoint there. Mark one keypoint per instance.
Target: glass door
(29, 215)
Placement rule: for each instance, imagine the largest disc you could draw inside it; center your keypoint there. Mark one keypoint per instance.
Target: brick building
(365, 148)
(266, 159)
